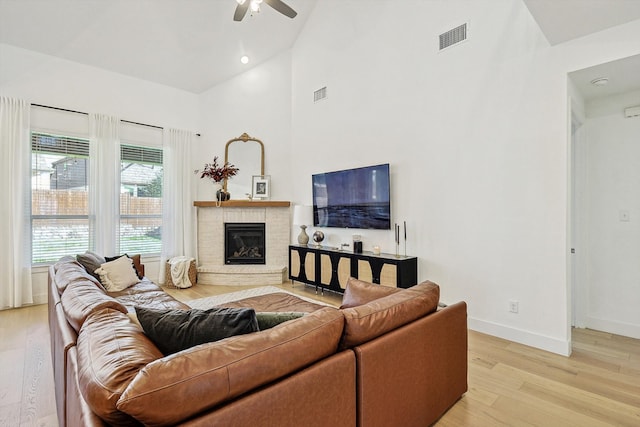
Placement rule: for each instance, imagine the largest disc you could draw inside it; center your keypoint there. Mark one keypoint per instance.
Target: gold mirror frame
(244, 138)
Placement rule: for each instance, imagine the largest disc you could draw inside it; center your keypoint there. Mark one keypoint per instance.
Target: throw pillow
(137, 266)
(359, 292)
(269, 319)
(176, 330)
(117, 275)
(91, 261)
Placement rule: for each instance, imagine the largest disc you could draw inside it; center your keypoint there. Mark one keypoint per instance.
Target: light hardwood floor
(509, 384)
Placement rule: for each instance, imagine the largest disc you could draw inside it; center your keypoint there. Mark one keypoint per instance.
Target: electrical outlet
(513, 306)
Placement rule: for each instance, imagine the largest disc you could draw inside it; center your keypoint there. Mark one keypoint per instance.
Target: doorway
(604, 199)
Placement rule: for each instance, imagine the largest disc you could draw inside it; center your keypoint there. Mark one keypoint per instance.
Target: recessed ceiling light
(244, 59)
(600, 81)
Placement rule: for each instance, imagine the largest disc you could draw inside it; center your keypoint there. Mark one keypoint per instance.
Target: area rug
(208, 302)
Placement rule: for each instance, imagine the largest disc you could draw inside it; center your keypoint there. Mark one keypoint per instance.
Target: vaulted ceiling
(195, 44)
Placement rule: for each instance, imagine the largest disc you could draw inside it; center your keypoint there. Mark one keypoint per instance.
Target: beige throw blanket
(179, 267)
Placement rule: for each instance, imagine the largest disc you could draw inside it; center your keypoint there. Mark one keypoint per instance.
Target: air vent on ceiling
(453, 36)
(320, 94)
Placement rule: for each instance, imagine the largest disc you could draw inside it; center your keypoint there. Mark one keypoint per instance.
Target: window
(59, 196)
(140, 199)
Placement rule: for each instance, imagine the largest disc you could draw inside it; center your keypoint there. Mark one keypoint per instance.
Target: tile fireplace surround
(211, 219)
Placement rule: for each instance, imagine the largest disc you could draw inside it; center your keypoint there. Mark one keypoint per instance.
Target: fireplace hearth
(244, 243)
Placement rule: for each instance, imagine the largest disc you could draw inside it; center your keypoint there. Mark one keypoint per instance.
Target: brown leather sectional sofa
(387, 358)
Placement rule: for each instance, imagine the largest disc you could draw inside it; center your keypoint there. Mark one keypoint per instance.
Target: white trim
(554, 345)
(614, 327)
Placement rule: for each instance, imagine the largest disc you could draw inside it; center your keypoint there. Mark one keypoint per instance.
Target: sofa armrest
(412, 375)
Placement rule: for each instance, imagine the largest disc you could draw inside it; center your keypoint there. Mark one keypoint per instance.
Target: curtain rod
(86, 114)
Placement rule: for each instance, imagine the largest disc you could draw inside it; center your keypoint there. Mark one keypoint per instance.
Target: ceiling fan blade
(282, 8)
(241, 11)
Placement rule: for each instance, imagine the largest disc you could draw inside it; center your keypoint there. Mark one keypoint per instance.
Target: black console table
(329, 268)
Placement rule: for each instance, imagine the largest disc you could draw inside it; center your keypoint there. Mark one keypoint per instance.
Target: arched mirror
(247, 154)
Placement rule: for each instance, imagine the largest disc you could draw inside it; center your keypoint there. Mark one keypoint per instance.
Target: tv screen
(353, 198)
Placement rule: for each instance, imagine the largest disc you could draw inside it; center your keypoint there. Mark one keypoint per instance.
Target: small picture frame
(261, 187)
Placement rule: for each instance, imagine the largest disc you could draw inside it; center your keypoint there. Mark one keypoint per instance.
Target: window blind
(59, 196)
(140, 199)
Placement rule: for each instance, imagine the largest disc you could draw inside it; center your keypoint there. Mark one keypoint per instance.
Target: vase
(217, 187)
(219, 195)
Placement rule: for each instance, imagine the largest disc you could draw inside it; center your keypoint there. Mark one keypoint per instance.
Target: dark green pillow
(176, 330)
(269, 319)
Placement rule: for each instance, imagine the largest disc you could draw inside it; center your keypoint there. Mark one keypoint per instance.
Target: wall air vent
(320, 94)
(453, 36)
(632, 112)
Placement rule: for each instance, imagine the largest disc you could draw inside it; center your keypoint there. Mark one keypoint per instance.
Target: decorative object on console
(318, 237)
(376, 250)
(357, 244)
(302, 215)
(218, 174)
(260, 187)
(405, 238)
(397, 228)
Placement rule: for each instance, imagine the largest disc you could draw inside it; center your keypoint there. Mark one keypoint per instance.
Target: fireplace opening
(244, 243)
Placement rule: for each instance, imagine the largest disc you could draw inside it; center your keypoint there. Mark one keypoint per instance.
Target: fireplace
(244, 243)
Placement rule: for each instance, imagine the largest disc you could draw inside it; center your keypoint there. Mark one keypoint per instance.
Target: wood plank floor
(509, 384)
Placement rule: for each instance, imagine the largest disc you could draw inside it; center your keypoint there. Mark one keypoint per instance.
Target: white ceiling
(195, 44)
(564, 20)
(187, 44)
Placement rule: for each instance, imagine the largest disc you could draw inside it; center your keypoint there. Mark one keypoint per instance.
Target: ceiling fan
(254, 5)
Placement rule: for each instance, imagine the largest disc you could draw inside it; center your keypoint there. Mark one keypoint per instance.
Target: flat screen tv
(353, 198)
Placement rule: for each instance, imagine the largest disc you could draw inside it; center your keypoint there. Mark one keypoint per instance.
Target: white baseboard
(542, 342)
(613, 327)
(40, 298)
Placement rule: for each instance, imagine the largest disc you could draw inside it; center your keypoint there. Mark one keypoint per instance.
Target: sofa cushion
(111, 351)
(118, 274)
(366, 322)
(147, 294)
(269, 319)
(71, 271)
(81, 298)
(176, 330)
(359, 292)
(184, 384)
(91, 261)
(62, 261)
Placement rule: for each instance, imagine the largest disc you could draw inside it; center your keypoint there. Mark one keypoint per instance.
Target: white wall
(612, 175)
(56, 82)
(257, 102)
(476, 137)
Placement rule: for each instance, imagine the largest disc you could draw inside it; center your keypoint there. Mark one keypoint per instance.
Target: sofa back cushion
(68, 271)
(359, 292)
(83, 297)
(373, 319)
(184, 384)
(111, 351)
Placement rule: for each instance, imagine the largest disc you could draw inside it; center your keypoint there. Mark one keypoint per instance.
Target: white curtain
(15, 212)
(178, 212)
(104, 183)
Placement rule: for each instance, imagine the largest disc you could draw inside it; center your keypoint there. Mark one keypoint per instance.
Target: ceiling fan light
(255, 6)
(241, 1)
(244, 59)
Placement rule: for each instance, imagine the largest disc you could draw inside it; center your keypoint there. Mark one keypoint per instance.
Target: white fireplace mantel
(211, 219)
